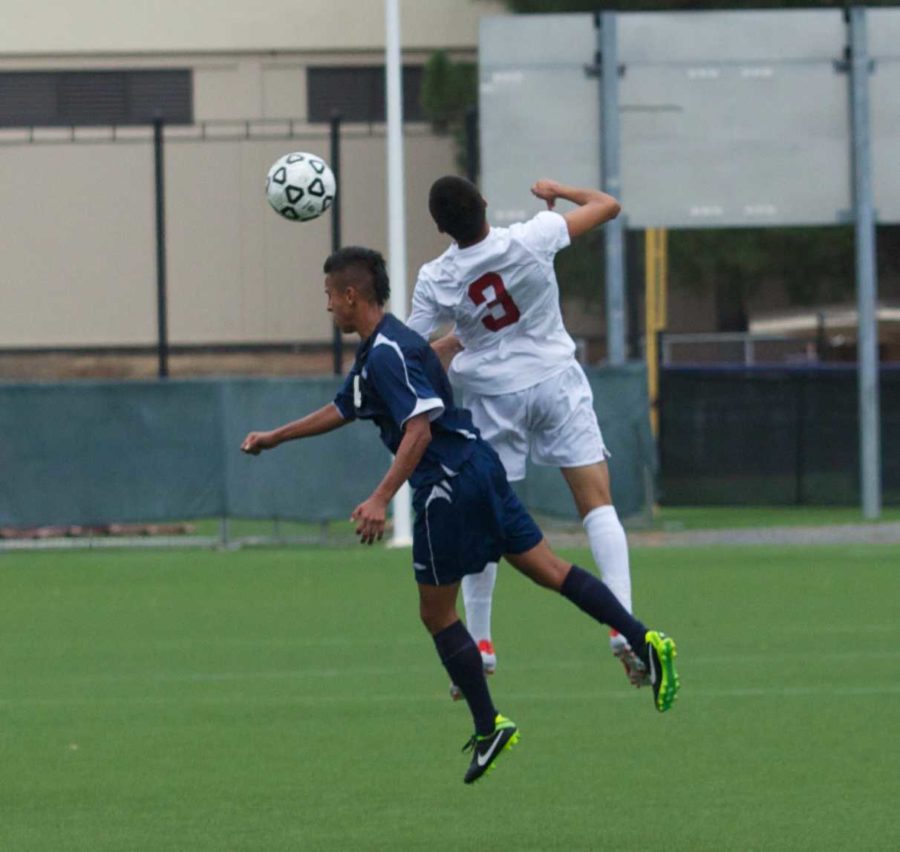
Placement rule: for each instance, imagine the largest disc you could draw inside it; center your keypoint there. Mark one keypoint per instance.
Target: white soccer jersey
(503, 296)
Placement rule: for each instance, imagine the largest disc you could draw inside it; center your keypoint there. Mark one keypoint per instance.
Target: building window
(66, 98)
(357, 93)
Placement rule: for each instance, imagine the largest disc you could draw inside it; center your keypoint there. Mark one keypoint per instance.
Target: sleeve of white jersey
(426, 314)
(545, 234)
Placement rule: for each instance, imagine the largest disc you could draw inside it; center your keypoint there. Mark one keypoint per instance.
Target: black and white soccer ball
(300, 186)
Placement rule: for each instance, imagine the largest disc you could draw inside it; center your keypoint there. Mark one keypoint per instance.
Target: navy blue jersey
(396, 376)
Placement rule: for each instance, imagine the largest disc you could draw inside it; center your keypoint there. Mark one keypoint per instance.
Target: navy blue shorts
(468, 520)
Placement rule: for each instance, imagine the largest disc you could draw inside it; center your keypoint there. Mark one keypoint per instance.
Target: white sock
(478, 592)
(610, 549)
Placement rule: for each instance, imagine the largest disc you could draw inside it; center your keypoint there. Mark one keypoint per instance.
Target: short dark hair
(457, 208)
(366, 260)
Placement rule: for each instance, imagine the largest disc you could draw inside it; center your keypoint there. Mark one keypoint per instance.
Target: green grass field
(289, 700)
(667, 518)
(737, 517)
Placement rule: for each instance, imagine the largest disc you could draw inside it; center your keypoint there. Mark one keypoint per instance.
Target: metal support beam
(610, 171)
(402, 505)
(472, 165)
(866, 279)
(337, 342)
(655, 307)
(161, 299)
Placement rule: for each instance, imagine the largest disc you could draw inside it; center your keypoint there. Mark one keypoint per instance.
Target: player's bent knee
(430, 618)
(557, 570)
(550, 575)
(433, 623)
(437, 614)
(589, 486)
(541, 565)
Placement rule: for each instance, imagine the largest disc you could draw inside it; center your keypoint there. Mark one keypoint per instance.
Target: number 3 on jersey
(494, 320)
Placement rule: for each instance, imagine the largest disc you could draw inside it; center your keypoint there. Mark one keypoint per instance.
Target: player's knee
(543, 580)
(590, 487)
(556, 572)
(435, 618)
(603, 496)
(548, 571)
(595, 497)
(427, 616)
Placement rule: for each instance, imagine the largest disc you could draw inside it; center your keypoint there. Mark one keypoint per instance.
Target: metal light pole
(611, 176)
(472, 164)
(161, 301)
(402, 536)
(337, 341)
(866, 284)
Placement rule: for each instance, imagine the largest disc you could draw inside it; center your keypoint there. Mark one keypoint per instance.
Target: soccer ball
(300, 186)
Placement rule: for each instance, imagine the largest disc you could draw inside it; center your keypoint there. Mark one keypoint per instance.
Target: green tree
(449, 89)
(814, 265)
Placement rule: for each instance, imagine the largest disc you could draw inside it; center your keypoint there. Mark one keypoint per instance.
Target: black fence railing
(770, 435)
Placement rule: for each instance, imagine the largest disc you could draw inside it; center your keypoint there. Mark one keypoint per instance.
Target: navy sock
(594, 597)
(462, 659)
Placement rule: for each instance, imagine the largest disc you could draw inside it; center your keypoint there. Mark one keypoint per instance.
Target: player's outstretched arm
(371, 514)
(594, 207)
(319, 422)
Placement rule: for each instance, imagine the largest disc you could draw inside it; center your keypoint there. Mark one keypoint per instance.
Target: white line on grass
(390, 698)
(303, 672)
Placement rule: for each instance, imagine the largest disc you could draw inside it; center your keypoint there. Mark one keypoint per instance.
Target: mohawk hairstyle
(370, 268)
(457, 208)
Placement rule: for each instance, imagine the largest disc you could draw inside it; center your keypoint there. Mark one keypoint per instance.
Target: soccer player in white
(514, 365)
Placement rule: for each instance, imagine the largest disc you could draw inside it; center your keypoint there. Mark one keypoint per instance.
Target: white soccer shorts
(554, 420)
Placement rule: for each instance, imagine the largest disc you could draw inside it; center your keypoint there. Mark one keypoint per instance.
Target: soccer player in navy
(466, 512)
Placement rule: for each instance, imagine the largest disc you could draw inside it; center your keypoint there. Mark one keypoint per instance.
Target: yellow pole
(656, 286)
(662, 315)
(650, 323)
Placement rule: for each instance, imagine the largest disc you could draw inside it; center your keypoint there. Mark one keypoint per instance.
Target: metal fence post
(866, 283)
(610, 170)
(337, 343)
(472, 165)
(161, 299)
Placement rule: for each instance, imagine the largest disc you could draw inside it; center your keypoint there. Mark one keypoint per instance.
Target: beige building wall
(53, 27)
(79, 263)
(261, 279)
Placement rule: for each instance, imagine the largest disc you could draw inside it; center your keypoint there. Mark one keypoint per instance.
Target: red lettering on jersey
(494, 321)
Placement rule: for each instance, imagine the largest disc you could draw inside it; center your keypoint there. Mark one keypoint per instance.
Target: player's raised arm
(318, 422)
(594, 207)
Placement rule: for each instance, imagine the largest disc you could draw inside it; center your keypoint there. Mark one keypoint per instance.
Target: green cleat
(486, 749)
(663, 677)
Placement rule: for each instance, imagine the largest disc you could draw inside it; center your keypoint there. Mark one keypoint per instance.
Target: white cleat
(488, 661)
(488, 656)
(635, 670)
